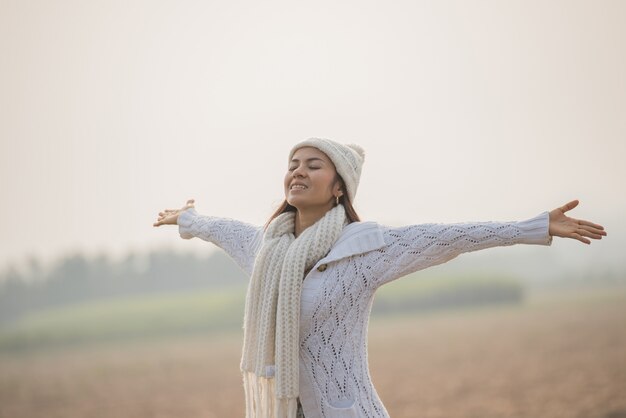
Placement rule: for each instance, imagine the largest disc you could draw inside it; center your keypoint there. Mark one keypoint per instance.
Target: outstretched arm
(239, 239)
(416, 247)
(170, 216)
(566, 227)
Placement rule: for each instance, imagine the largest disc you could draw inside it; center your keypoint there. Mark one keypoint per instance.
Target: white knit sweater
(337, 294)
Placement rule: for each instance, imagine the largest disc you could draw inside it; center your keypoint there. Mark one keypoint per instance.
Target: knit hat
(348, 160)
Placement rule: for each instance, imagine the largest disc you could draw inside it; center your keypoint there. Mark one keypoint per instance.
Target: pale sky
(111, 111)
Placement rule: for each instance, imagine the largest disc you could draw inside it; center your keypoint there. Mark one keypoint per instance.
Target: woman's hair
(343, 200)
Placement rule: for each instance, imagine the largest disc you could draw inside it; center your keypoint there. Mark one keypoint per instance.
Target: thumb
(569, 206)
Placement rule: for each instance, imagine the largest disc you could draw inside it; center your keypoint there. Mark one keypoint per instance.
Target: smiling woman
(312, 184)
(314, 269)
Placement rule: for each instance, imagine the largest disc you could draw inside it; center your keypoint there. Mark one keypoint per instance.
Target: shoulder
(357, 238)
(355, 229)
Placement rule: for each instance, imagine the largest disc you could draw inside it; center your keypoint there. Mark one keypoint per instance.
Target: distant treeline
(76, 278)
(162, 293)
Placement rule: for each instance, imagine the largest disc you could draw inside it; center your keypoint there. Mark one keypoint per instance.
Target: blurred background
(467, 110)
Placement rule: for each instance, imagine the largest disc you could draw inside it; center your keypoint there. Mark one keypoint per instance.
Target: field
(553, 356)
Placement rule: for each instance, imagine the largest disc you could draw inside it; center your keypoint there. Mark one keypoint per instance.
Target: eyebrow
(309, 159)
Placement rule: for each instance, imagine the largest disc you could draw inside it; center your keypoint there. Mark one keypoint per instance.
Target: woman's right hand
(170, 216)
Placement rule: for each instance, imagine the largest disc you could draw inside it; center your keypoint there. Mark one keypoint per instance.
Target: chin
(294, 202)
(298, 202)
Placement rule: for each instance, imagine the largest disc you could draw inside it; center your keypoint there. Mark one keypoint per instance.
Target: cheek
(326, 181)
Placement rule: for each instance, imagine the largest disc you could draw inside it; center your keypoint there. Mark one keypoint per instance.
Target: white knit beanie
(348, 160)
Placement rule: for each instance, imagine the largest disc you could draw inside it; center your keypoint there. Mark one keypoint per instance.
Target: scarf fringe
(272, 311)
(261, 401)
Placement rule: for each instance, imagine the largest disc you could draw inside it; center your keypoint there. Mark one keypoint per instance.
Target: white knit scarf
(272, 312)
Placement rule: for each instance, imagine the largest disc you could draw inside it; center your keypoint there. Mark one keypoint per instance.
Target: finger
(593, 230)
(580, 238)
(587, 223)
(589, 234)
(569, 206)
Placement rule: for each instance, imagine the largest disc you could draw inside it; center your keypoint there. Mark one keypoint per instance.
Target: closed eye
(311, 168)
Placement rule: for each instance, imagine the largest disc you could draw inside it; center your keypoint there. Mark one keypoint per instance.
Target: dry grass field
(552, 357)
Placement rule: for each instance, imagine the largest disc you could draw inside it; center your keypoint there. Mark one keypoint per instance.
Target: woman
(314, 269)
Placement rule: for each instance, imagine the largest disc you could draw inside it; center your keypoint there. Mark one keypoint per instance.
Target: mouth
(297, 187)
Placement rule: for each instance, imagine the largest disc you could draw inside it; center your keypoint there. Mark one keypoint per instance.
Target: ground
(554, 356)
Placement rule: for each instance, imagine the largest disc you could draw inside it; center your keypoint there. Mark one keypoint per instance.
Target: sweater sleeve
(240, 240)
(416, 247)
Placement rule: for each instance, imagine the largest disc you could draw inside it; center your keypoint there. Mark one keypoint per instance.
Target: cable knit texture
(348, 160)
(337, 294)
(272, 312)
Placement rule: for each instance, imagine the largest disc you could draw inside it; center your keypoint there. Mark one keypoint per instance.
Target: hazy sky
(111, 111)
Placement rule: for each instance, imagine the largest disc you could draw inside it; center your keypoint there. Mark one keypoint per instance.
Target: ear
(338, 188)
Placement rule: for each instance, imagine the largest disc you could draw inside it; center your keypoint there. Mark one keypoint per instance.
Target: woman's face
(310, 180)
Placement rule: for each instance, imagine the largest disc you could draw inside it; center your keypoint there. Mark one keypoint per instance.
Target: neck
(307, 217)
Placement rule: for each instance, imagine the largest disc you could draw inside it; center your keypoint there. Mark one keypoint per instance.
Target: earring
(337, 199)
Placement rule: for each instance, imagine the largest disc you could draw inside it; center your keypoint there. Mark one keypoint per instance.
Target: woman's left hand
(566, 227)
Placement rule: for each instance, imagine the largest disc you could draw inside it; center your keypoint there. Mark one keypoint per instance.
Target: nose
(298, 172)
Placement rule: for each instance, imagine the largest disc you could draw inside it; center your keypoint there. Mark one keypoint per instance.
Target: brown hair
(343, 200)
